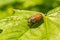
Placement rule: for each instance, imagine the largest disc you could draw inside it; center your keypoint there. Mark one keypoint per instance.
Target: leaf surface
(16, 27)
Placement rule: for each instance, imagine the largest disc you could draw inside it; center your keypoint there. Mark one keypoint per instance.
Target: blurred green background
(34, 5)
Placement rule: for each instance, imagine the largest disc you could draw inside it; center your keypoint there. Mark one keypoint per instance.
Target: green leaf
(52, 23)
(16, 27)
(5, 2)
(8, 12)
(29, 3)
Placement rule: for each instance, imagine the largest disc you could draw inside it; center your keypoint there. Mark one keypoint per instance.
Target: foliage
(14, 15)
(16, 27)
(36, 5)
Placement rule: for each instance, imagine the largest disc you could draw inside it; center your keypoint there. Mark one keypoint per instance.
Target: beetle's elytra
(36, 18)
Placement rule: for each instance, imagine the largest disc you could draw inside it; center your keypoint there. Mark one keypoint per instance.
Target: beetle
(35, 18)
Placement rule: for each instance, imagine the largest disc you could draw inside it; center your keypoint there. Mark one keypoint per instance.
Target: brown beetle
(36, 18)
